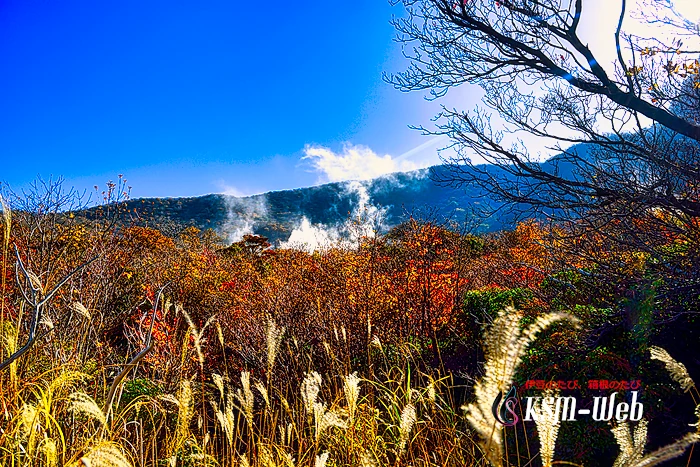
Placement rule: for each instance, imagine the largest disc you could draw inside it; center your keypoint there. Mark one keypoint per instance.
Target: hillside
(276, 214)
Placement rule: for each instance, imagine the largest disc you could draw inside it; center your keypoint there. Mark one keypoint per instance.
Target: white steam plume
(365, 221)
(242, 215)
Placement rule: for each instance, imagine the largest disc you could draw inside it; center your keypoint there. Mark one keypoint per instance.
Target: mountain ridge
(277, 214)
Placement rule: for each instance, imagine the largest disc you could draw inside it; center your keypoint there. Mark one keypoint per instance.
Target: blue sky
(187, 98)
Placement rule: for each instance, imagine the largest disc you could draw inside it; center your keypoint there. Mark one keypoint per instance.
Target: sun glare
(688, 8)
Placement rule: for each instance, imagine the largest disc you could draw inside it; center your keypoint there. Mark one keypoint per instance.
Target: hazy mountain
(277, 214)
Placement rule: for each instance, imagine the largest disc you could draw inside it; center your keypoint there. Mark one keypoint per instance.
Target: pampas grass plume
(676, 369)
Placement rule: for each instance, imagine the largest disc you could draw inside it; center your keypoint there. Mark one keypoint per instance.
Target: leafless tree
(42, 213)
(628, 131)
(38, 299)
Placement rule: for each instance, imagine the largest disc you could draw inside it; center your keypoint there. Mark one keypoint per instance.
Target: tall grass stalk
(505, 344)
(7, 227)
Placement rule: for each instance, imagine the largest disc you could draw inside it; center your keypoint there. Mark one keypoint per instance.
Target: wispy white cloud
(354, 162)
(431, 143)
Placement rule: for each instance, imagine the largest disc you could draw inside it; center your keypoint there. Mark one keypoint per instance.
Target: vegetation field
(125, 346)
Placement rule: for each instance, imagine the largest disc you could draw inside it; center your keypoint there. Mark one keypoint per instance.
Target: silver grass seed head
(408, 419)
(676, 369)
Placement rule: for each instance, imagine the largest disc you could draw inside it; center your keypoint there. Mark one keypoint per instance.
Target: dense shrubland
(182, 350)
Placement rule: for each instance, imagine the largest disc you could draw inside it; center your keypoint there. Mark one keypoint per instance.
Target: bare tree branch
(37, 301)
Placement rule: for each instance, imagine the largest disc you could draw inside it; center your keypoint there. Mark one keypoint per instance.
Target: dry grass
(400, 417)
(505, 345)
(547, 431)
(402, 412)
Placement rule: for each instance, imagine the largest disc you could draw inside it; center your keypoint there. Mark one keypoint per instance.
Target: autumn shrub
(182, 350)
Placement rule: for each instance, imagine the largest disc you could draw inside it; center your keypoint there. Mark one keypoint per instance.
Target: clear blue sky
(187, 98)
